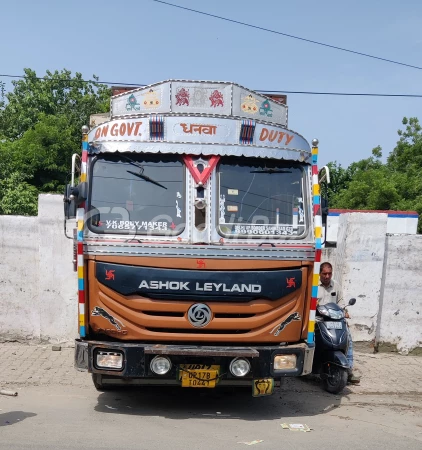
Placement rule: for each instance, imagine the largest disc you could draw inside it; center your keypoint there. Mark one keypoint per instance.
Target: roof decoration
(198, 118)
(199, 97)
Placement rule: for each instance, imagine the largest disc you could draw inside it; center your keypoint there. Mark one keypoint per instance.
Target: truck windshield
(261, 198)
(137, 194)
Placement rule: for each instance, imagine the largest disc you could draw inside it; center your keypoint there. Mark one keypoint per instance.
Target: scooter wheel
(335, 379)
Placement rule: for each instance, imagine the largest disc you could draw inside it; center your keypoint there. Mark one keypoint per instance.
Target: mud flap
(81, 356)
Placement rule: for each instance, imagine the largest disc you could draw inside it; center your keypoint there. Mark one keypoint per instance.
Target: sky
(144, 42)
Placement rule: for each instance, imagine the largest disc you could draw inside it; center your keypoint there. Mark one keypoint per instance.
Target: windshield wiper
(271, 171)
(144, 177)
(140, 174)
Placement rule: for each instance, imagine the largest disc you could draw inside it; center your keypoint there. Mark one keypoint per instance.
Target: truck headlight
(160, 365)
(109, 360)
(285, 362)
(240, 367)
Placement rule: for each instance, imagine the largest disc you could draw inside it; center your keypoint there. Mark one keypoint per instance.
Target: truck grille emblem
(199, 315)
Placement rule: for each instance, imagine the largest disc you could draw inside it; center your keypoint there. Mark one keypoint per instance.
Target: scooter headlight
(323, 310)
(335, 313)
(331, 313)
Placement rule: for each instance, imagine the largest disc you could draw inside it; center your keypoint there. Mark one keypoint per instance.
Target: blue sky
(146, 42)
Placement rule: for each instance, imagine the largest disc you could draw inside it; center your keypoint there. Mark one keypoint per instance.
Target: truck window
(261, 198)
(137, 194)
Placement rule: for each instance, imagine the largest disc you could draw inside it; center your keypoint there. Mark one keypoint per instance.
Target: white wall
(19, 270)
(38, 287)
(401, 312)
(359, 266)
(398, 222)
(58, 285)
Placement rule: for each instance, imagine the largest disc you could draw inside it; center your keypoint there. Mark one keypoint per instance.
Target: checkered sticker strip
(318, 244)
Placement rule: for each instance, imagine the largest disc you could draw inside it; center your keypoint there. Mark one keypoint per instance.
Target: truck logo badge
(199, 315)
(97, 311)
(279, 328)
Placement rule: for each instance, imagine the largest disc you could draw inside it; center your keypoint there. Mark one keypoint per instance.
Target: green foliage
(40, 129)
(56, 93)
(17, 196)
(2, 93)
(370, 184)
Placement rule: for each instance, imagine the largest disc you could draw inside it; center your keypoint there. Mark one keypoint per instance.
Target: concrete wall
(382, 272)
(359, 268)
(398, 222)
(400, 321)
(19, 269)
(38, 288)
(58, 285)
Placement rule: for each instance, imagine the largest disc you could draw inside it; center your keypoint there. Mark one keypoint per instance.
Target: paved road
(58, 408)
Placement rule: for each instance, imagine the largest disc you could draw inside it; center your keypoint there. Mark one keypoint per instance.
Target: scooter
(331, 343)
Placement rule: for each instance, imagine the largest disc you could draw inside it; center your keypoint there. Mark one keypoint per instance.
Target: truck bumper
(136, 359)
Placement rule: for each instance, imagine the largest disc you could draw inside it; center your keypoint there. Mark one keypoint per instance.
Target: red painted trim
(81, 296)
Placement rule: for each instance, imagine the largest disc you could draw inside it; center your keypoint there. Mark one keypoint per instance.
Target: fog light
(160, 365)
(240, 367)
(283, 362)
(109, 360)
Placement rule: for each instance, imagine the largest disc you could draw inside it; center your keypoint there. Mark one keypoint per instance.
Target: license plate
(262, 386)
(198, 375)
(334, 325)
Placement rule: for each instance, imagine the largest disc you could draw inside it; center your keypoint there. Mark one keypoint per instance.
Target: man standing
(328, 294)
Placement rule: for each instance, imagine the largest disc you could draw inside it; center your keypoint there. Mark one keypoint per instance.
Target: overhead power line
(135, 85)
(335, 47)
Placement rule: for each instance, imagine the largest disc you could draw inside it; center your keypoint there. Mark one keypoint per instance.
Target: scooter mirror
(352, 301)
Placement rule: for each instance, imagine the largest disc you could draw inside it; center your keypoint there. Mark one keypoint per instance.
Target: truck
(196, 218)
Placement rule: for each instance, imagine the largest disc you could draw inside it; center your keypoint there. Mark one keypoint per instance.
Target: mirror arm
(326, 175)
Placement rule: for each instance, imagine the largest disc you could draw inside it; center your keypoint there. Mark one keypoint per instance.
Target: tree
(370, 184)
(40, 128)
(57, 93)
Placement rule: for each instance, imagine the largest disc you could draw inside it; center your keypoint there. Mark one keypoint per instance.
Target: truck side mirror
(69, 203)
(73, 197)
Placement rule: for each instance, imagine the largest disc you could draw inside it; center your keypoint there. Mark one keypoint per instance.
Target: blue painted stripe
(314, 291)
(402, 216)
(310, 338)
(314, 159)
(80, 284)
(317, 199)
(85, 145)
(80, 236)
(318, 243)
(82, 331)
